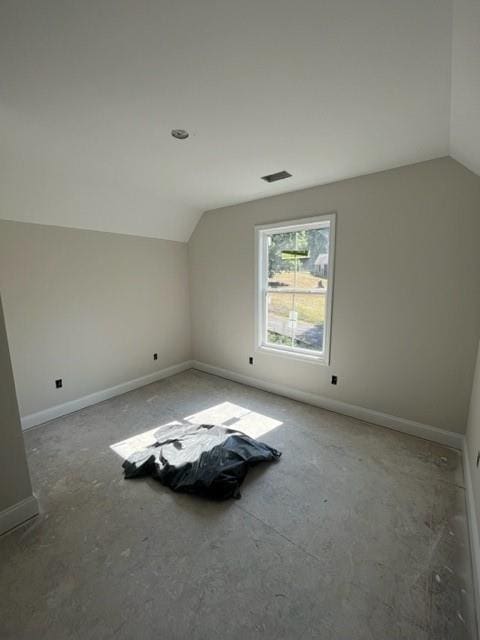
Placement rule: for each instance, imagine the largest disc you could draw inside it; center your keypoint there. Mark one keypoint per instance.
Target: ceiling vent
(273, 177)
(180, 134)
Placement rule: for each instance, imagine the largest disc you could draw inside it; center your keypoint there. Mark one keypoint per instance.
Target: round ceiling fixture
(180, 134)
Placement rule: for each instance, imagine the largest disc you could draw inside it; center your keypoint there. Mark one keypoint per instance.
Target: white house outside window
(294, 287)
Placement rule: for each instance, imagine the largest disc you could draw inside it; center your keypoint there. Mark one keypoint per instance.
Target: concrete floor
(357, 533)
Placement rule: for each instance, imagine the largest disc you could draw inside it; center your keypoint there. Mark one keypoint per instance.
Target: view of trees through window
(297, 287)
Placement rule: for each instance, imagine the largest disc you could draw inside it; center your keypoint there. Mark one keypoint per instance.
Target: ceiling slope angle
(91, 92)
(465, 110)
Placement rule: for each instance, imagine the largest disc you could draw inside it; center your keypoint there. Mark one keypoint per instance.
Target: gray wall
(14, 476)
(91, 308)
(406, 308)
(473, 437)
(465, 102)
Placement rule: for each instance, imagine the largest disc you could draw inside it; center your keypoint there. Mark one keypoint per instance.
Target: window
(294, 287)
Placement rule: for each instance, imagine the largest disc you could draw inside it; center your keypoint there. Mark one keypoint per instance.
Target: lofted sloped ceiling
(465, 108)
(90, 90)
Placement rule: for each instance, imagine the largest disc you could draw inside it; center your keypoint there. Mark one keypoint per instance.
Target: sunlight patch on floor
(125, 448)
(227, 414)
(234, 416)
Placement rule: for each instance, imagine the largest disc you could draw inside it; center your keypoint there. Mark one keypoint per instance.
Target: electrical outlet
(58, 383)
(155, 356)
(250, 360)
(334, 379)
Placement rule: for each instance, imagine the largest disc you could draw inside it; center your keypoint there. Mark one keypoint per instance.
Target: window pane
(298, 259)
(296, 320)
(279, 329)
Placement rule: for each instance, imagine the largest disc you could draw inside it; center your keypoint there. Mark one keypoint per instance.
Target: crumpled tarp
(208, 460)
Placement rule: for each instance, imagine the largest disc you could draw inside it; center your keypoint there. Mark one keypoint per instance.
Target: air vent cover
(273, 177)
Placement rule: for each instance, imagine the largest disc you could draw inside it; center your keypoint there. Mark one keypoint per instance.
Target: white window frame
(261, 280)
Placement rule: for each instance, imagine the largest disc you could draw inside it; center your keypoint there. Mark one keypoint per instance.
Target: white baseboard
(472, 530)
(18, 513)
(79, 403)
(419, 429)
(449, 438)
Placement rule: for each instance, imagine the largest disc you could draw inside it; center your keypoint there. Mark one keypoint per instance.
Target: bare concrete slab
(357, 533)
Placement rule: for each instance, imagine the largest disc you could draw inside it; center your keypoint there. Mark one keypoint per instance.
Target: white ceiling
(326, 89)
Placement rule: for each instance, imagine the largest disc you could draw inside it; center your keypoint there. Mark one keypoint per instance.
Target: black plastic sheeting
(207, 460)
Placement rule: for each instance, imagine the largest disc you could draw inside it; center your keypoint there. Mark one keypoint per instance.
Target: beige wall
(91, 308)
(14, 476)
(406, 308)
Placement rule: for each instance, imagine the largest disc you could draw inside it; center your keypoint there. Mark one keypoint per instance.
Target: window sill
(293, 355)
